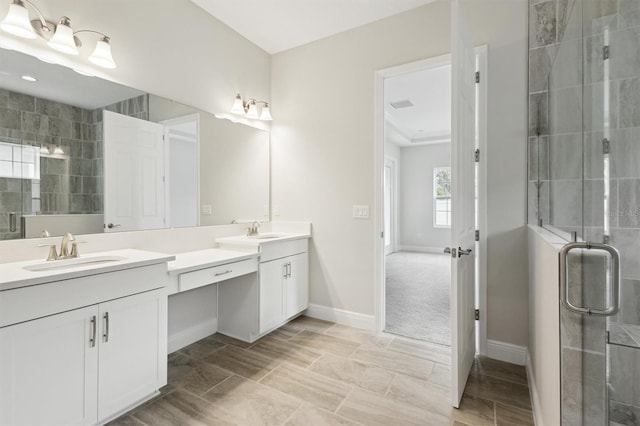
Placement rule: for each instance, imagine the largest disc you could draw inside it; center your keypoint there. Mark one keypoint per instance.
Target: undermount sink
(71, 263)
(266, 236)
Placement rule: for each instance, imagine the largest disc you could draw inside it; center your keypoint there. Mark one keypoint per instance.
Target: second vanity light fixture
(250, 109)
(60, 37)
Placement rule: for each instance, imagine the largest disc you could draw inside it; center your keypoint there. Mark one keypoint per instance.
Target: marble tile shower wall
(67, 185)
(566, 163)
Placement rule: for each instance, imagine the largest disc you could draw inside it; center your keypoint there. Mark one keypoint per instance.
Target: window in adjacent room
(442, 197)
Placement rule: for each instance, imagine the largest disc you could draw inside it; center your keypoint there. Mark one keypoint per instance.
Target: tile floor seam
(395, 375)
(322, 355)
(353, 388)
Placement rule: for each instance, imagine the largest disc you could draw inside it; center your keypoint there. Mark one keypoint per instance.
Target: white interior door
(134, 194)
(462, 203)
(389, 211)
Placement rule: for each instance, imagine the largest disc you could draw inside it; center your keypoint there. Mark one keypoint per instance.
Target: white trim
(423, 249)
(340, 316)
(507, 352)
(481, 296)
(378, 158)
(533, 392)
(192, 334)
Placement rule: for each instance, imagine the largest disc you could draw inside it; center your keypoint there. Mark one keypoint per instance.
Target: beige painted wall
(502, 25)
(544, 329)
(323, 150)
(323, 143)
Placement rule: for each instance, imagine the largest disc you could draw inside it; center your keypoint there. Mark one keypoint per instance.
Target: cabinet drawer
(279, 249)
(202, 277)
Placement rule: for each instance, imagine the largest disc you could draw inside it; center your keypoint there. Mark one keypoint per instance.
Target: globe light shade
(17, 21)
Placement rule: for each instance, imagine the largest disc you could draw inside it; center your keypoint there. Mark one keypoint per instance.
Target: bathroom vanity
(82, 342)
(263, 281)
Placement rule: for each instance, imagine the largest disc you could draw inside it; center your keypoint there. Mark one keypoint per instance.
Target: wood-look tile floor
(312, 372)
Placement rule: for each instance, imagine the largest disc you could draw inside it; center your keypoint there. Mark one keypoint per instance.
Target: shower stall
(584, 186)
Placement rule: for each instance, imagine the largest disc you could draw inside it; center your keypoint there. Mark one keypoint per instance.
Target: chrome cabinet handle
(462, 252)
(289, 270)
(92, 337)
(614, 290)
(106, 327)
(228, 271)
(285, 269)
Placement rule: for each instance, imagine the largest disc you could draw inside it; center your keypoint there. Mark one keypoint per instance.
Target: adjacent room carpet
(417, 296)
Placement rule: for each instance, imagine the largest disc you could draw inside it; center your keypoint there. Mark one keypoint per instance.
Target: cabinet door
(272, 311)
(48, 370)
(133, 351)
(297, 284)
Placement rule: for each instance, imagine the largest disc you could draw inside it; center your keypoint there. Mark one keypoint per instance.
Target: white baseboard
(422, 249)
(192, 334)
(533, 392)
(506, 352)
(340, 316)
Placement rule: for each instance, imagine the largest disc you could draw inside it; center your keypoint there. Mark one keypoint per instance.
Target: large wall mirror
(85, 155)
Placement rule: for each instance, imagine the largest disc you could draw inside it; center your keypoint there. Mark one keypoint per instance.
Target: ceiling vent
(402, 104)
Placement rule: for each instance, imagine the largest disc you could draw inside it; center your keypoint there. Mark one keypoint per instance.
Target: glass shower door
(588, 160)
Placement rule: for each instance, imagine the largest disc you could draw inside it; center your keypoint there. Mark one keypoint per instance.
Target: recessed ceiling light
(29, 78)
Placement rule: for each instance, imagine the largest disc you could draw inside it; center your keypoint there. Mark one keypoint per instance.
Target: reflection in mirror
(55, 168)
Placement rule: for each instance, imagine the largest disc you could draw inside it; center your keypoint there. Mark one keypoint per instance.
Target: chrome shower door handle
(614, 290)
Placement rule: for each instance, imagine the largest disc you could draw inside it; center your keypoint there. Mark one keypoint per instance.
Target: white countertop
(13, 275)
(244, 241)
(194, 260)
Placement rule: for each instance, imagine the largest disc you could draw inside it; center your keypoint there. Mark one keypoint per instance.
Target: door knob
(461, 252)
(113, 225)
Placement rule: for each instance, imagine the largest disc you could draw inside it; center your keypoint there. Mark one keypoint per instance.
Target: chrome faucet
(253, 229)
(64, 246)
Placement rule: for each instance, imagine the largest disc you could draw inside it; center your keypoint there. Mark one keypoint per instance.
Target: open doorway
(417, 202)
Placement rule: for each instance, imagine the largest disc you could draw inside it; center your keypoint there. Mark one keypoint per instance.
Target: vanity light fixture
(60, 37)
(250, 109)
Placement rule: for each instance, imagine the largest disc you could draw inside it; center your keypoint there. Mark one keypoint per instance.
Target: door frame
(379, 158)
(168, 123)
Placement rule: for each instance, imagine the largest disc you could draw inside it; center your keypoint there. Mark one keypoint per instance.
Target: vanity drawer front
(280, 249)
(202, 277)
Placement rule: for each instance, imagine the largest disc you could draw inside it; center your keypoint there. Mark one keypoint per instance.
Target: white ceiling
(277, 25)
(58, 83)
(429, 120)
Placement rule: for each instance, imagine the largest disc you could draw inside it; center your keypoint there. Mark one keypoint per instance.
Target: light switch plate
(205, 209)
(361, 212)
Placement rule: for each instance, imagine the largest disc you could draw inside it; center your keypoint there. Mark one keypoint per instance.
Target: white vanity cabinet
(284, 289)
(48, 371)
(80, 366)
(81, 349)
(284, 282)
(249, 308)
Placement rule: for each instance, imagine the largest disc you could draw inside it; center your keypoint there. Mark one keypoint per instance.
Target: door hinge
(477, 156)
(606, 146)
(477, 76)
(477, 312)
(477, 235)
(605, 53)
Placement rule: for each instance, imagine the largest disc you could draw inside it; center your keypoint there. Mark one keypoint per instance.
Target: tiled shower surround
(71, 183)
(584, 137)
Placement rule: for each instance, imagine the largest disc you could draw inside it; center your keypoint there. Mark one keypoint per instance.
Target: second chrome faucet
(64, 248)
